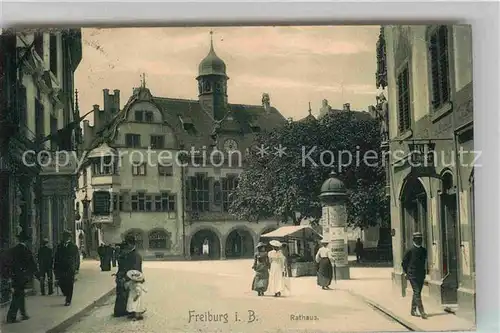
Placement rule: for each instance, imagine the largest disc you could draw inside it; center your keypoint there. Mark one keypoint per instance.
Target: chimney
(116, 100)
(105, 93)
(266, 102)
(95, 107)
(346, 107)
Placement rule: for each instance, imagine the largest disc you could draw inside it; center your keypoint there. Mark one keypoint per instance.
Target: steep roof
(192, 126)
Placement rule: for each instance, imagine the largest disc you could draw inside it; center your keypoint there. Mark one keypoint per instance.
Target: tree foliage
(288, 186)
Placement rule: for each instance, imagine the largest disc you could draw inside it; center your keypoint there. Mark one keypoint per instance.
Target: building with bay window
(37, 105)
(429, 82)
(163, 169)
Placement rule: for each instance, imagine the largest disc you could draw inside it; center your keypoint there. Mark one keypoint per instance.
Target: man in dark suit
(22, 271)
(66, 262)
(359, 249)
(414, 267)
(45, 266)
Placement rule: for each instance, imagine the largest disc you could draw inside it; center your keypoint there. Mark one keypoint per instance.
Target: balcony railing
(111, 218)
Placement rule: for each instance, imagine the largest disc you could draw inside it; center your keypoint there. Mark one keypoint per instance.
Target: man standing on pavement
(414, 266)
(66, 262)
(23, 269)
(45, 265)
(358, 249)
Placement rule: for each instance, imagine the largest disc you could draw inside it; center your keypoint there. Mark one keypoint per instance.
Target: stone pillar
(222, 249)
(334, 221)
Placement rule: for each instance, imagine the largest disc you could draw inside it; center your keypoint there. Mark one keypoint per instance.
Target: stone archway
(414, 212)
(239, 244)
(204, 245)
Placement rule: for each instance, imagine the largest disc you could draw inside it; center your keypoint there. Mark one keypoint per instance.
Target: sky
(294, 65)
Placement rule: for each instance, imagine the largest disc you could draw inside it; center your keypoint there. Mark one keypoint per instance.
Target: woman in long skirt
(129, 259)
(324, 260)
(277, 269)
(261, 268)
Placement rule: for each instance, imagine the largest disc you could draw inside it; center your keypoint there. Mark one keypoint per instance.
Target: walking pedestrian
(277, 271)
(261, 267)
(107, 255)
(45, 266)
(114, 255)
(101, 250)
(22, 271)
(129, 260)
(324, 260)
(414, 267)
(358, 249)
(136, 290)
(66, 260)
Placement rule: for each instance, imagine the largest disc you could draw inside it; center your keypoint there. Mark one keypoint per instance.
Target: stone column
(334, 221)
(222, 249)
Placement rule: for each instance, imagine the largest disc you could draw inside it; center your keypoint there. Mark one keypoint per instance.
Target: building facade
(429, 80)
(163, 169)
(37, 106)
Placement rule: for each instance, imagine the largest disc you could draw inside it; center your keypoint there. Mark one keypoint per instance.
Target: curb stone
(61, 327)
(379, 307)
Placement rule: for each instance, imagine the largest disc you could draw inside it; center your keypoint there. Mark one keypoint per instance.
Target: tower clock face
(230, 145)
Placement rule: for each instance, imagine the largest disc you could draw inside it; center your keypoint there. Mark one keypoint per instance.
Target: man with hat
(414, 267)
(23, 270)
(66, 262)
(45, 266)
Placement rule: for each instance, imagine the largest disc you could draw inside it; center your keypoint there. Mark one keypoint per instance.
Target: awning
(295, 231)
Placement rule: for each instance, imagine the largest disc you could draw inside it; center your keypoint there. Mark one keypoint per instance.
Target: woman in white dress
(135, 302)
(277, 272)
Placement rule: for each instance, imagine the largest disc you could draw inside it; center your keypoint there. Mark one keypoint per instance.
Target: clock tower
(212, 84)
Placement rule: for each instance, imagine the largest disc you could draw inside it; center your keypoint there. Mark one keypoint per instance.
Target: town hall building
(163, 169)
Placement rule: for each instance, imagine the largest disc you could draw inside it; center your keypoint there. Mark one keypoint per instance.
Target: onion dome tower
(212, 84)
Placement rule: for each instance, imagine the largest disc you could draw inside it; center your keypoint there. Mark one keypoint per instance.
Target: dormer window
(148, 116)
(187, 123)
(255, 128)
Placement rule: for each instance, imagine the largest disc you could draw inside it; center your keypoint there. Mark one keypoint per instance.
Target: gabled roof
(192, 126)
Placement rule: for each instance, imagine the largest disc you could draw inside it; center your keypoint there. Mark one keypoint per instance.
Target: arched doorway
(414, 212)
(265, 231)
(449, 244)
(205, 245)
(239, 244)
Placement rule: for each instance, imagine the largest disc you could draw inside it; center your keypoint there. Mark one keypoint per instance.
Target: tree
(288, 186)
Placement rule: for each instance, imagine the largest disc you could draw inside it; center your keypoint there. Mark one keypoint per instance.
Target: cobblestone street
(178, 289)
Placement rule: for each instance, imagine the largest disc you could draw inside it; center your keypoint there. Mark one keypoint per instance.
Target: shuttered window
(439, 62)
(102, 203)
(404, 118)
(53, 54)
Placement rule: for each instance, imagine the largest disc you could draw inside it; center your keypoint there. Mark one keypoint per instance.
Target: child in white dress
(136, 288)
